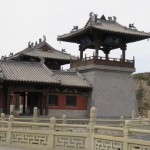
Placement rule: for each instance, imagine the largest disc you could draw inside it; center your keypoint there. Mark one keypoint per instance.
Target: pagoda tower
(113, 90)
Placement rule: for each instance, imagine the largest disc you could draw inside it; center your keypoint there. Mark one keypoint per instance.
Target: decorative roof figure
(34, 52)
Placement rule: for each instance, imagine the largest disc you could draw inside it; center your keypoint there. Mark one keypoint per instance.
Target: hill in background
(142, 87)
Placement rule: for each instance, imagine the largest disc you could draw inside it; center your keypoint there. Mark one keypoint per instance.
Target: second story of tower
(106, 35)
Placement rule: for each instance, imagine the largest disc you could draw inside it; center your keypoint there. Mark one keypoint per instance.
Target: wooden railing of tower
(90, 136)
(102, 61)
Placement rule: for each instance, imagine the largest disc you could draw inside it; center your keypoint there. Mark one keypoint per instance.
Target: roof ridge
(82, 76)
(37, 48)
(19, 62)
(52, 74)
(24, 51)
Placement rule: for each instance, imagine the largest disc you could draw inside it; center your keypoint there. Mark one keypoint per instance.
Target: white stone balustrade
(64, 121)
(91, 136)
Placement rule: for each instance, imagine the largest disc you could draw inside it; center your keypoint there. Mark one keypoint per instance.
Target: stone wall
(113, 90)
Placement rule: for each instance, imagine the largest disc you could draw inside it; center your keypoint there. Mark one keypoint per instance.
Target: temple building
(33, 77)
(113, 90)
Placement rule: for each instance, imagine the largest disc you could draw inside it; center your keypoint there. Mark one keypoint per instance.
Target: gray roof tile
(36, 51)
(26, 72)
(105, 25)
(114, 26)
(35, 72)
(68, 78)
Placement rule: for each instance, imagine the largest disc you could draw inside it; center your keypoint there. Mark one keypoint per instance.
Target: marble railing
(91, 136)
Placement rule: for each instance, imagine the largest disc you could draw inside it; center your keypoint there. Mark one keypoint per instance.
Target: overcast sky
(22, 21)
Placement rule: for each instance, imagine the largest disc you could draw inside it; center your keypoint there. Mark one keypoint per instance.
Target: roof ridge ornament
(75, 28)
(94, 17)
(63, 50)
(110, 18)
(31, 45)
(114, 18)
(44, 38)
(40, 40)
(131, 26)
(103, 17)
(36, 43)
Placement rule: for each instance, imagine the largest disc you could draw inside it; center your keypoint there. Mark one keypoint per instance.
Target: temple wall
(78, 111)
(81, 102)
(113, 90)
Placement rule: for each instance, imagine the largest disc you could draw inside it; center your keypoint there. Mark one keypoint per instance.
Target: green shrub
(142, 76)
(139, 94)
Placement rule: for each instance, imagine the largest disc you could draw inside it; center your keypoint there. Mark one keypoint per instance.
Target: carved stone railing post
(93, 114)
(128, 124)
(126, 133)
(140, 119)
(64, 121)
(10, 123)
(35, 119)
(3, 117)
(51, 133)
(35, 114)
(122, 121)
(52, 123)
(90, 138)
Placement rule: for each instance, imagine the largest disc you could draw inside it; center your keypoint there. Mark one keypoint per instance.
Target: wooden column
(26, 101)
(106, 55)
(97, 46)
(8, 102)
(24, 105)
(40, 103)
(5, 100)
(11, 99)
(81, 54)
(46, 106)
(123, 48)
(123, 55)
(23, 102)
(106, 51)
(81, 49)
(44, 103)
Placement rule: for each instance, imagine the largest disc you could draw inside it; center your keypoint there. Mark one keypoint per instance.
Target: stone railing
(90, 136)
(98, 60)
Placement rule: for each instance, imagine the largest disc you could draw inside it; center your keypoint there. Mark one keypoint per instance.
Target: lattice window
(53, 100)
(71, 101)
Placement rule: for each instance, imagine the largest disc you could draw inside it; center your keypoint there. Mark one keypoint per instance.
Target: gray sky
(28, 20)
